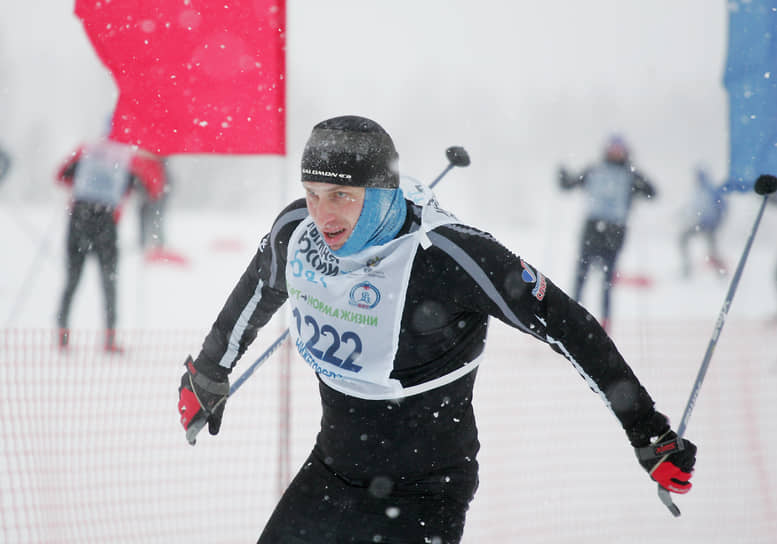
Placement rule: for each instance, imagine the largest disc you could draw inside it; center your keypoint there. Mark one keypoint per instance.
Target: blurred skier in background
(101, 174)
(610, 186)
(152, 206)
(151, 216)
(5, 163)
(703, 216)
(390, 298)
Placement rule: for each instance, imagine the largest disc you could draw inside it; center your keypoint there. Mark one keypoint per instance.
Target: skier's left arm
(515, 292)
(149, 174)
(67, 169)
(568, 180)
(573, 332)
(641, 185)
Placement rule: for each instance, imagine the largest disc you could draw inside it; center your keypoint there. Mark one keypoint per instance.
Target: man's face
(335, 209)
(616, 153)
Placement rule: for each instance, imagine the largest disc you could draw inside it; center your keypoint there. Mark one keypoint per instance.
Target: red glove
(672, 477)
(668, 459)
(200, 400)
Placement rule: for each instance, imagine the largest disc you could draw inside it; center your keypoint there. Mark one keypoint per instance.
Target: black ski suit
(405, 470)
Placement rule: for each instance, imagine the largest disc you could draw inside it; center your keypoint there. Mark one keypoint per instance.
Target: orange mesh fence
(91, 449)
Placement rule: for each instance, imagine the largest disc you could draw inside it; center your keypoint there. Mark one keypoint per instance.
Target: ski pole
(457, 156)
(197, 425)
(32, 272)
(764, 185)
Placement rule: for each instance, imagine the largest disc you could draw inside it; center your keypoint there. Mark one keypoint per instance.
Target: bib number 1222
(327, 351)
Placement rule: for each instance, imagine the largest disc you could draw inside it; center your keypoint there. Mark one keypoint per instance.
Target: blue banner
(751, 82)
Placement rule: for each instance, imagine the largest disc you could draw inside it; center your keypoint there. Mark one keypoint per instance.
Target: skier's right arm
(566, 180)
(643, 186)
(250, 305)
(259, 293)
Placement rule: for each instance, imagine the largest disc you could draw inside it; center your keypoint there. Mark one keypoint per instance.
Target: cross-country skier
(610, 187)
(152, 206)
(703, 216)
(389, 298)
(101, 174)
(5, 163)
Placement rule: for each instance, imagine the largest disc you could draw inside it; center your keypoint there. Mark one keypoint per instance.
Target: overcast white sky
(522, 84)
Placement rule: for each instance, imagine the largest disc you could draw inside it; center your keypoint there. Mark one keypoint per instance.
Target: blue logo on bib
(364, 295)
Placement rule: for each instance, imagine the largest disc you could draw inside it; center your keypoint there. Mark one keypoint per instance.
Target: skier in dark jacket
(389, 298)
(610, 187)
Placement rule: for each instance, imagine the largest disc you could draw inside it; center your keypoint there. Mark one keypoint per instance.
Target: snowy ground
(555, 466)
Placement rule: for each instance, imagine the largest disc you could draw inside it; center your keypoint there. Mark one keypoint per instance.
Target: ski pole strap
(660, 449)
(211, 386)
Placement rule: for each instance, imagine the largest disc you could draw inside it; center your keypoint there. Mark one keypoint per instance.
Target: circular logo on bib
(364, 295)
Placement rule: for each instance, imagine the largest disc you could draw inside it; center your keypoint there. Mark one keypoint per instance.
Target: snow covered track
(91, 449)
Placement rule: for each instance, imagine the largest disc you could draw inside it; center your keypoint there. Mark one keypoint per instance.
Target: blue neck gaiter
(383, 214)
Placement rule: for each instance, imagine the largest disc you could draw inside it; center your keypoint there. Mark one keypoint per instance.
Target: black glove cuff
(211, 369)
(201, 382)
(213, 387)
(661, 448)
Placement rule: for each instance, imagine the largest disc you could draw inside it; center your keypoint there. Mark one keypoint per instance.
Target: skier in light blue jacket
(610, 187)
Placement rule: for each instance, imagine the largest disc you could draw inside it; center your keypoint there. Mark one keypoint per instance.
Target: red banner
(194, 76)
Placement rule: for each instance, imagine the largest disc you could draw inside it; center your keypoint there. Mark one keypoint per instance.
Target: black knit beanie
(351, 150)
